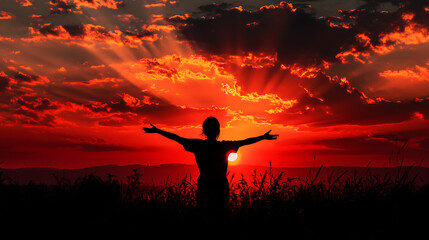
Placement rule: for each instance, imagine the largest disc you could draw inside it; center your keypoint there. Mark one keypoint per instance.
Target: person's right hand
(153, 129)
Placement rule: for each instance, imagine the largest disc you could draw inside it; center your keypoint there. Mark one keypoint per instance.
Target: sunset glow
(79, 79)
(232, 157)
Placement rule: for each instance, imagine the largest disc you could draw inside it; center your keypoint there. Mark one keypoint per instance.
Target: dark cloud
(323, 100)
(138, 33)
(294, 35)
(30, 117)
(36, 103)
(33, 110)
(128, 110)
(49, 29)
(375, 4)
(93, 32)
(330, 103)
(61, 7)
(215, 7)
(418, 8)
(24, 77)
(374, 24)
(4, 81)
(27, 78)
(75, 30)
(30, 114)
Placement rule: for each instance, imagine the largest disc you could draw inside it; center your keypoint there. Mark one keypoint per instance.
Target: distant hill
(159, 174)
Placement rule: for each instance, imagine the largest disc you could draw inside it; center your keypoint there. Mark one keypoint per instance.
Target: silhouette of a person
(211, 156)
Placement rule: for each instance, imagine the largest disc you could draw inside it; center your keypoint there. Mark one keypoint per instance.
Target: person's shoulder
(194, 140)
(192, 144)
(228, 142)
(231, 144)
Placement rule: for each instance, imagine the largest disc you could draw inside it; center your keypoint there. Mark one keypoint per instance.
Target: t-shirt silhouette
(211, 156)
(212, 161)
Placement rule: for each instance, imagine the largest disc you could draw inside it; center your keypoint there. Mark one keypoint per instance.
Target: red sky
(342, 84)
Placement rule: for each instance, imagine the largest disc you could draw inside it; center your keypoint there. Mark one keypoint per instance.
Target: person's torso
(211, 158)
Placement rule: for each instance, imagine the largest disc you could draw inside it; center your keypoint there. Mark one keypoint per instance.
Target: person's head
(211, 128)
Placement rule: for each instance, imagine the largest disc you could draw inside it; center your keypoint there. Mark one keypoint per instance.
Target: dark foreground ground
(265, 206)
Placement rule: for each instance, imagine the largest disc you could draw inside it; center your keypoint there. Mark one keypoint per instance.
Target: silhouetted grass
(338, 207)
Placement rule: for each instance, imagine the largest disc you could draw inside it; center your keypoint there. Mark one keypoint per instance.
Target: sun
(232, 157)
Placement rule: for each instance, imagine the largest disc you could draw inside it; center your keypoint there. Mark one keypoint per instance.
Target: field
(337, 206)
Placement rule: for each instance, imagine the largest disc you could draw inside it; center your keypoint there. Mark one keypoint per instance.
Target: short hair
(211, 127)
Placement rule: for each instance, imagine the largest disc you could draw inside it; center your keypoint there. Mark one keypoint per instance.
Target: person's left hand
(269, 136)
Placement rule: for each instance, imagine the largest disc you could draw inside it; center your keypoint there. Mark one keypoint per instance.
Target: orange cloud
(278, 104)
(6, 15)
(179, 17)
(31, 109)
(97, 3)
(24, 3)
(6, 39)
(251, 60)
(200, 83)
(97, 81)
(154, 5)
(353, 53)
(87, 34)
(302, 72)
(98, 66)
(413, 34)
(417, 74)
(31, 80)
(135, 102)
(158, 27)
(26, 68)
(281, 5)
(156, 18)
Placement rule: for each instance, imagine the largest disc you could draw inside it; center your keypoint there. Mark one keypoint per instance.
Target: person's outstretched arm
(266, 136)
(166, 134)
